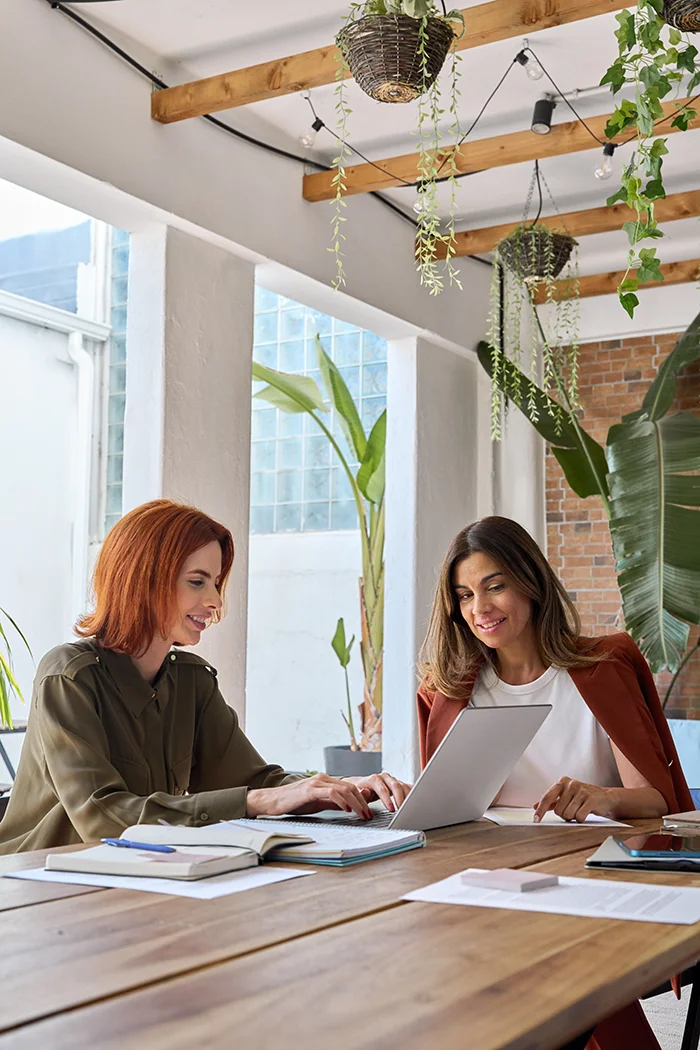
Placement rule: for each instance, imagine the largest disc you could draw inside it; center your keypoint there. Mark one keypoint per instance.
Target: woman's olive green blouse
(105, 749)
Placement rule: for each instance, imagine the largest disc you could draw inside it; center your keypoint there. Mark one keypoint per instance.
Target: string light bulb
(530, 64)
(605, 168)
(308, 140)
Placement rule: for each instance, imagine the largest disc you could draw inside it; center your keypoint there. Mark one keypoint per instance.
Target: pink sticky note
(508, 879)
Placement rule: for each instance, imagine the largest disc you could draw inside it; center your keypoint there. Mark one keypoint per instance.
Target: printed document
(593, 898)
(516, 817)
(202, 889)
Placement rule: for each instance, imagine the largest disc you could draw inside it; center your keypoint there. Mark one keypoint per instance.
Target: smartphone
(659, 845)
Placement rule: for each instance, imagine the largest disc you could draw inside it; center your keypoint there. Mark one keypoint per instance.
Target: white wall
(300, 584)
(37, 500)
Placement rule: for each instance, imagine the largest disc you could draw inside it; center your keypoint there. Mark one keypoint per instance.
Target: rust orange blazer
(621, 693)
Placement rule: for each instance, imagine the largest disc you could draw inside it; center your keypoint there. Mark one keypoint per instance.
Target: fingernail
(536, 819)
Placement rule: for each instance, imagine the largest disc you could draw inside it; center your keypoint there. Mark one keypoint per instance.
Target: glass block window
(117, 377)
(297, 482)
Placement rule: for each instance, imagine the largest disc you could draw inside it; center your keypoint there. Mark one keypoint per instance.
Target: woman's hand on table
(382, 786)
(574, 800)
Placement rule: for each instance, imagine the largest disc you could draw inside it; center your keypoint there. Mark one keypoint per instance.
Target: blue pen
(127, 844)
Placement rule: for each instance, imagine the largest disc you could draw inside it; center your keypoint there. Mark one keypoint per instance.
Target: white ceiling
(187, 39)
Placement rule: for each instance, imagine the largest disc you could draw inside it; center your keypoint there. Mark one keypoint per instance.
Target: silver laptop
(468, 769)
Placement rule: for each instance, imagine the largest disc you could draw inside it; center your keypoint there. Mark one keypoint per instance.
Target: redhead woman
(504, 631)
(126, 728)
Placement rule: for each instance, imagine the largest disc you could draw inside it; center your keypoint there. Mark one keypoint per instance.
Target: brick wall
(614, 376)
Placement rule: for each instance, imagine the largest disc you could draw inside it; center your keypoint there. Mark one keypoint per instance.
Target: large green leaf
(288, 392)
(655, 526)
(581, 457)
(371, 475)
(662, 391)
(341, 399)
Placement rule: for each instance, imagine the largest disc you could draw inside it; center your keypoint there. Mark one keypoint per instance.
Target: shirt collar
(133, 687)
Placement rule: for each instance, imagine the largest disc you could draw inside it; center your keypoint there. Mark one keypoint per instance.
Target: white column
(435, 486)
(188, 398)
(520, 475)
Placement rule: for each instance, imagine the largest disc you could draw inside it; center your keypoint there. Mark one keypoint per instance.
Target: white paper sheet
(511, 816)
(201, 889)
(593, 898)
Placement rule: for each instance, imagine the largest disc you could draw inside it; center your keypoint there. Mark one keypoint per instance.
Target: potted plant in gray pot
(348, 760)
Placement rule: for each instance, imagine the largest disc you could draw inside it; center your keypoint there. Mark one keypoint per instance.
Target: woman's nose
(214, 600)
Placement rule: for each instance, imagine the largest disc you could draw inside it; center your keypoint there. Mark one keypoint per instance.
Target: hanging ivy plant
(528, 265)
(395, 50)
(655, 58)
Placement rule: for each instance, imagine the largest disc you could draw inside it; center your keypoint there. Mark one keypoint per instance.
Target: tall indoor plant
(296, 394)
(8, 682)
(648, 480)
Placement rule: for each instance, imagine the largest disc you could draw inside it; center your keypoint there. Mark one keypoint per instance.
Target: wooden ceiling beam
(580, 223)
(607, 283)
(476, 155)
(486, 23)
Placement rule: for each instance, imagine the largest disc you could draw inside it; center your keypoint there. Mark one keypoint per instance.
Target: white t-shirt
(569, 743)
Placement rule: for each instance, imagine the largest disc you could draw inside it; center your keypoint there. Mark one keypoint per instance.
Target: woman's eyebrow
(485, 579)
(199, 572)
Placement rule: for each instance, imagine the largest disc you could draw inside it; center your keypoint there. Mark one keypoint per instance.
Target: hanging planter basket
(536, 254)
(683, 15)
(382, 54)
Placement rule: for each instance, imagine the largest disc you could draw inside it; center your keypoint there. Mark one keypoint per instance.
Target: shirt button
(153, 696)
(172, 656)
(97, 659)
(204, 816)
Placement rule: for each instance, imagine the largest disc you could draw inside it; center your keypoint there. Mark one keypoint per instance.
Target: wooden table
(334, 959)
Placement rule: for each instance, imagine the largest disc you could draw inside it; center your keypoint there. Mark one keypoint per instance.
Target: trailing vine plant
(435, 245)
(655, 59)
(534, 264)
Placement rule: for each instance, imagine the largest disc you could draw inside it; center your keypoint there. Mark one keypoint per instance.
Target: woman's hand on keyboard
(387, 789)
(311, 795)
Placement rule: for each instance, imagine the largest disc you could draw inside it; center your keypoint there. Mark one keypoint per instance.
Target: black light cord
(159, 83)
(563, 97)
(580, 119)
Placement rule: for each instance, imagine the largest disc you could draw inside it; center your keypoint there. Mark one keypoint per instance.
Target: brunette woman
(125, 729)
(504, 631)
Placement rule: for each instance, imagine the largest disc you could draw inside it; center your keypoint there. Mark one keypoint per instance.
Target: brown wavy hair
(135, 578)
(451, 653)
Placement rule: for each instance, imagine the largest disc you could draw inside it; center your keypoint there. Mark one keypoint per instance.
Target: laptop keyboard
(379, 821)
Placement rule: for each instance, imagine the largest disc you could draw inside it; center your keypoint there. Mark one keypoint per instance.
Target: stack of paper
(594, 898)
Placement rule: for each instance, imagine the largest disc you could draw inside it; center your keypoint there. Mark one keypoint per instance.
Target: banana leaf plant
(8, 682)
(296, 394)
(648, 480)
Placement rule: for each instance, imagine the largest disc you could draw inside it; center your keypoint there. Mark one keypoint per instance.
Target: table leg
(691, 1032)
(579, 1043)
(6, 759)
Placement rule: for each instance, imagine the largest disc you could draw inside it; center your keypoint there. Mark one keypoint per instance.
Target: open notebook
(298, 841)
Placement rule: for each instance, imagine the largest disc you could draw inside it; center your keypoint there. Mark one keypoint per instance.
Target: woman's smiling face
(496, 611)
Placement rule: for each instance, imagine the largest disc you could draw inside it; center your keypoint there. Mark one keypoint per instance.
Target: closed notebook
(186, 863)
(688, 821)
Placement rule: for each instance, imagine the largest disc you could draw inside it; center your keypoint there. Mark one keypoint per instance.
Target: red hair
(136, 574)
